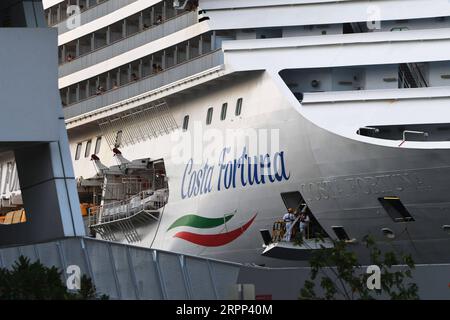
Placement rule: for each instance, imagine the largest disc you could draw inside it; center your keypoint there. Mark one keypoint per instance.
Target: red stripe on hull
(214, 240)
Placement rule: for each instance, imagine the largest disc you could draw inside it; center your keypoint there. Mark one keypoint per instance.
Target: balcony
(146, 84)
(95, 12)
(124, 45)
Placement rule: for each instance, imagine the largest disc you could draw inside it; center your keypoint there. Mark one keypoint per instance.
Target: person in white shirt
(288, 219)
(304, 221)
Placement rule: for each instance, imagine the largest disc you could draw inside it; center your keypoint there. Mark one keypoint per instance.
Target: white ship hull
(315, 110)
(341, 180)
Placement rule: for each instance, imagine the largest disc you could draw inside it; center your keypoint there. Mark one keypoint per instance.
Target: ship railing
(411, 76)
(279, 230)
(154, 32)
(403, 79)
(141, 87)
(148, 201)
(417, 75)
(92, 13)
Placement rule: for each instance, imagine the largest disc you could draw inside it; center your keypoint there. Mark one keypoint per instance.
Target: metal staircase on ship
(127, 215)
(134, 194)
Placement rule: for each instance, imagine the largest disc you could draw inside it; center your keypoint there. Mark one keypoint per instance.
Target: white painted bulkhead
(306, 130)
(341, 112)
(258, 112)
(299, 13)
(134, 54)
(269, 104)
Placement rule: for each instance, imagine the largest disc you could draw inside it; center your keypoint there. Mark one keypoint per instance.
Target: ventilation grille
(144, 123)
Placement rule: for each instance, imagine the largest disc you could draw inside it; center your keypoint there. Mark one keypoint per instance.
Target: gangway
(127, 215)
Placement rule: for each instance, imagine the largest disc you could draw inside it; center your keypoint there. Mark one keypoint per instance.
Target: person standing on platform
(288, 219)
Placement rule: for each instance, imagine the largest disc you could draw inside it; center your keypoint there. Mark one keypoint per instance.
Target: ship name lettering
(338, 188)
(232, 173)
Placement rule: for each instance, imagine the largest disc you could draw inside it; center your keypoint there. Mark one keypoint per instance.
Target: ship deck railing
(125, 44)
(145, 85)
(127, 215)
(148, 200)
(91, 13)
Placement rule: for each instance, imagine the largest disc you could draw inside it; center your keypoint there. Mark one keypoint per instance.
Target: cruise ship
(195, 125)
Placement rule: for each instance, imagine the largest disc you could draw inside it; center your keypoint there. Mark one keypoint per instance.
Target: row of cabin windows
(119, 30)
(139, 69)
(87, 149)
(59, 12)
(164, 10)
(223, 113)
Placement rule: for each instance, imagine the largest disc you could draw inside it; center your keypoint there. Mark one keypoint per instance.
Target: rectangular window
(78, 151)
(98, 144)
(238, 107)
(223, 113)
(209, 116)
(395, 209)
(87, 151)
(185, 123)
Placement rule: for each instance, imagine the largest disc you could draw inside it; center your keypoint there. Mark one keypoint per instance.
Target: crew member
(288, 219)
(304, 221)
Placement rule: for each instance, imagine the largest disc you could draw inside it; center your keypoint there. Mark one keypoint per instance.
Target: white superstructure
(196, 124)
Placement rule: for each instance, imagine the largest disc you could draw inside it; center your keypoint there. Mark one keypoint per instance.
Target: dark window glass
(185, 122)
(341, 233)
(238, 107)
(87, 151)
(223, 113)
(78, 151)
(98, 145)
(209, 115)
(395, 209)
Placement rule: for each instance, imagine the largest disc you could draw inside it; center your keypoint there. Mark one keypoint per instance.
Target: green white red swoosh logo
(208, 240)
(192, 220)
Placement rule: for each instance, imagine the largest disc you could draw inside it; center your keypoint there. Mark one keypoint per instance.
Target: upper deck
(127, 48)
